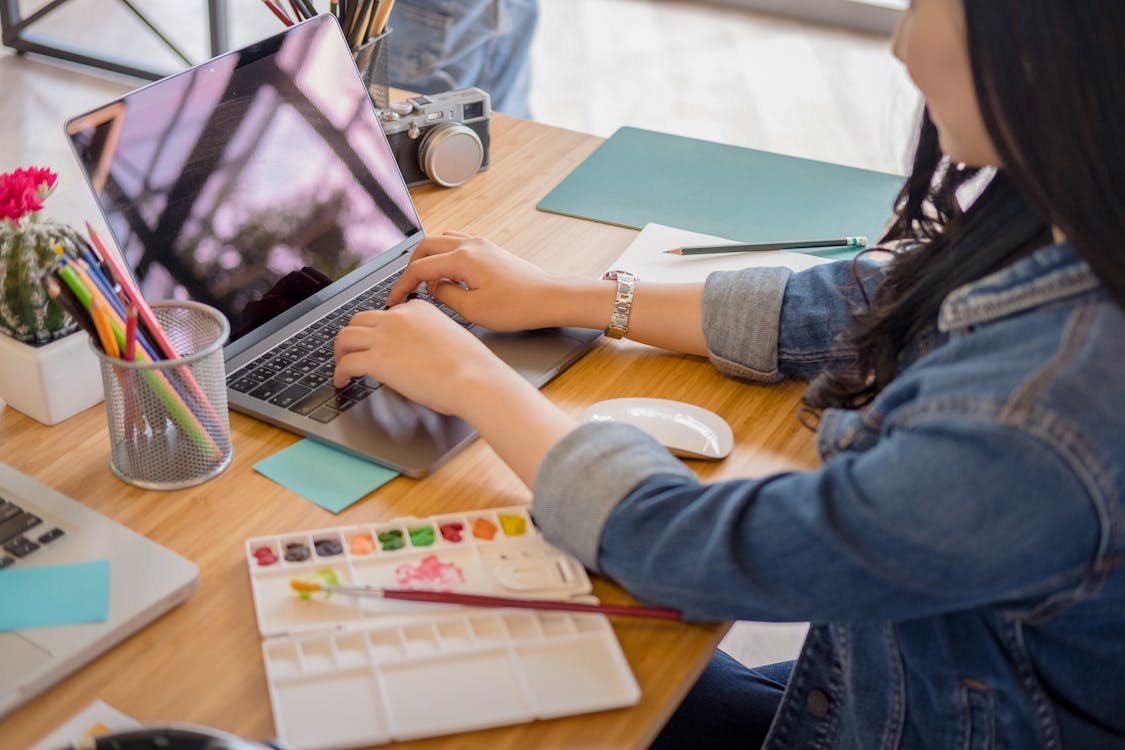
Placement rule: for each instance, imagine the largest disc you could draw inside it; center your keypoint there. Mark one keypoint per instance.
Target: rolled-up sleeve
(741, 315)
(586, 474)
(766, 324)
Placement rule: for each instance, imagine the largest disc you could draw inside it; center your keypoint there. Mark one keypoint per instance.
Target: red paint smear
(431, 574)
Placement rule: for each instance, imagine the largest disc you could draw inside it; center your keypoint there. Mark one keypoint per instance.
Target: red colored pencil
(278, 11)
(306, 585)
(130, 332)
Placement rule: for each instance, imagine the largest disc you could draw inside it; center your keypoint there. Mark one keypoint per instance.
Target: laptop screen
(252, 181)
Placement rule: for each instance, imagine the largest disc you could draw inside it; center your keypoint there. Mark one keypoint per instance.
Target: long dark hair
(1050, 79)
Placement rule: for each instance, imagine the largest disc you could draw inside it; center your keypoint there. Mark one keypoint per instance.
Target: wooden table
(202, 663)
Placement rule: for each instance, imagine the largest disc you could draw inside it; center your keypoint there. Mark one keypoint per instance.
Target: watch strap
(622, 302)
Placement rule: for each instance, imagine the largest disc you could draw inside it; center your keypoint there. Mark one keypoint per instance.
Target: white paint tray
(347, 671)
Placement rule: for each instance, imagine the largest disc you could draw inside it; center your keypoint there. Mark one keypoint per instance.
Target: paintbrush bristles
(305, 586)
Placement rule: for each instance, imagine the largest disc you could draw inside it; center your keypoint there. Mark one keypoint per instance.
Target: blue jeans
(444, 45)
(731, 705)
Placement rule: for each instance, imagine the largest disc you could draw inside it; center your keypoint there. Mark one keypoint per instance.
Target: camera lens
(450, 154)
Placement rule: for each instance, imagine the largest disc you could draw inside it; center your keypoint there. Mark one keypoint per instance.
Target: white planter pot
(53, 382)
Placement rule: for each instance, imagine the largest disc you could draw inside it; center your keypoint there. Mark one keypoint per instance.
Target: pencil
(379, 22)
(307, 7)
(160, 339)
(158, 380)
(362, 20)
(132, 417)
(306, 585)
(67, 301)
(278, 11)
(101, 323)
(741, 248)
(130, 332)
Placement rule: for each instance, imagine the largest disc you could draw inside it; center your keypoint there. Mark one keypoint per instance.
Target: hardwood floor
(681, 67)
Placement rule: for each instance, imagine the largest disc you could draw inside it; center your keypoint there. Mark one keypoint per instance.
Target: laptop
(261, 183)
(39, 526)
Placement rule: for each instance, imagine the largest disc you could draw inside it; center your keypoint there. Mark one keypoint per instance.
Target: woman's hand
(418, 351)
(486, 284)
(494, 288)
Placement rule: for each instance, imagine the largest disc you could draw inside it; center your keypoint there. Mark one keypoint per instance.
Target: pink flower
(23, 191)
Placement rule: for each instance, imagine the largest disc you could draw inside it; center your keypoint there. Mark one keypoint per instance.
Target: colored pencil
(101, 324)
(66, 299)
(278, 11)
(132, 417)
(740, 248)
(159, 381)
(305, 585)
(131, 333)
(148, 318)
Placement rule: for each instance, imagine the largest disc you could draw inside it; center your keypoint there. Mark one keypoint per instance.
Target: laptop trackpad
(537, 355)
(21, 658)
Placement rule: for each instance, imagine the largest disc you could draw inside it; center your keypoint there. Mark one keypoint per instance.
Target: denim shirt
(960, 550)
(443, 45)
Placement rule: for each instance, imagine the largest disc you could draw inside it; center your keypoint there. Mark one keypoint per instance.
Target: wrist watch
(622, 303)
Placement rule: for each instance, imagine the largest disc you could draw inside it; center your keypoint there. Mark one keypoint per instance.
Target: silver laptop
(39, 526)
(261, 183)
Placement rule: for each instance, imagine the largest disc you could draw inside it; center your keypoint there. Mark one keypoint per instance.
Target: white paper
(97, 718)
(646, 257)
(758, 643)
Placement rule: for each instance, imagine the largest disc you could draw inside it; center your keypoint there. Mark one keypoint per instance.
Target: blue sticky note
(330, 478)
(54, 595)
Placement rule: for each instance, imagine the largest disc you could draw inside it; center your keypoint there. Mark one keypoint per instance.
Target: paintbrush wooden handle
(481, 600)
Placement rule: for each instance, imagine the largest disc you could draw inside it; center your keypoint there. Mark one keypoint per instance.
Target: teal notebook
(640, 176)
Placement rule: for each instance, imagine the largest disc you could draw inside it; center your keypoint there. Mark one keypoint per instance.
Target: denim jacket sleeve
(929, 520)
(766, 324)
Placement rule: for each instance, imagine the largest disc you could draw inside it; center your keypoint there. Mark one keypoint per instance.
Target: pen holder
(371, 60)
(168, 421)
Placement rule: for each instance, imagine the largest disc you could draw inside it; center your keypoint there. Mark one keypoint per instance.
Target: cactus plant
(27, 248)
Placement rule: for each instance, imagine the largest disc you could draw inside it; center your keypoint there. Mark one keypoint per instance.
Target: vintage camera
(440, 138)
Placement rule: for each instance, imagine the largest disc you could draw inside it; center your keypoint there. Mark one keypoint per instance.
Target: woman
(963, 539)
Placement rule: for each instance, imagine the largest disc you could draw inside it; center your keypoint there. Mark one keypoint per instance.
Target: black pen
(708, 249)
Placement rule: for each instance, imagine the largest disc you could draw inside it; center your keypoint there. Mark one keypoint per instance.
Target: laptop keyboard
(297, 373)
(21, 533)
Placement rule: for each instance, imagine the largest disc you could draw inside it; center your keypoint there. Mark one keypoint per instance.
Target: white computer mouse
(684, 429)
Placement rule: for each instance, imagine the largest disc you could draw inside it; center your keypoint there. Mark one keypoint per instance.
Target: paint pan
(348, 671)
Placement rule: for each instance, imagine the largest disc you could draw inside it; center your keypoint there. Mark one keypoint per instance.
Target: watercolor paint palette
(349, 671)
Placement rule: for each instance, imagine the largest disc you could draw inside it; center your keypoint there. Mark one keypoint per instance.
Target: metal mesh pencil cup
(371, 59)
(168, 421)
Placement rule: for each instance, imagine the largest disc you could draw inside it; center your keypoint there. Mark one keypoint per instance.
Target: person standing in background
(445, 45)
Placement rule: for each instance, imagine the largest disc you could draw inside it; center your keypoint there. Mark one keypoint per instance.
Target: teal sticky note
(637, 177)
(38, 597)
(330, 478)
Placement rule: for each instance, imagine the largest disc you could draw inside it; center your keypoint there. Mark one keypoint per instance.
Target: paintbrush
(310, 586)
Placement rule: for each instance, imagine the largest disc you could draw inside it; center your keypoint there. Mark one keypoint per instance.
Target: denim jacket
(443, 45)
(959, 552)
